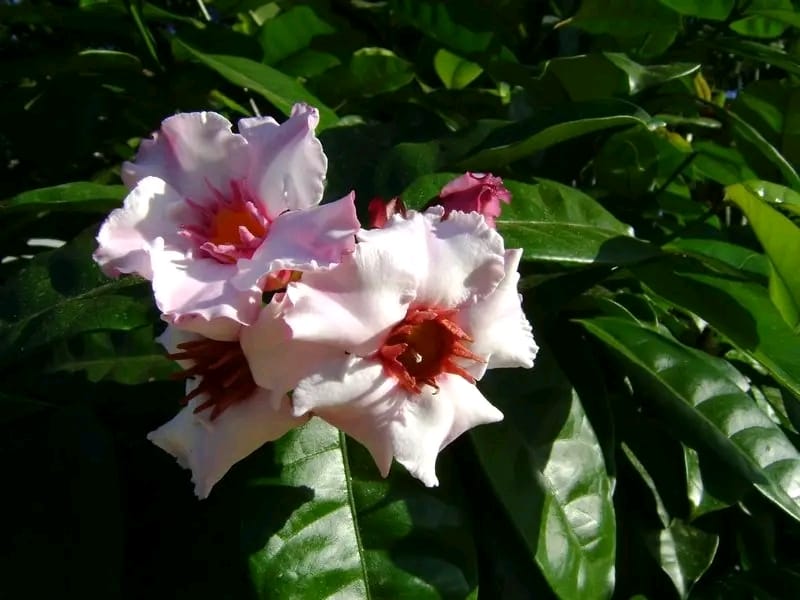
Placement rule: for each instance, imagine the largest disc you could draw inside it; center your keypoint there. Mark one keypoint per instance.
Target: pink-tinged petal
(479, 192)
(287, 164)
(151, 210)
(193, 293)
(353, 305)
(302, 240)
(500, 331)
(193, 152)
(464, 259)
(276, 361)
(354, 395)
(435, 418)
(210, 448)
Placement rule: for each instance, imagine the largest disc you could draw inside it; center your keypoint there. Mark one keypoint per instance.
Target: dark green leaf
(755, 24)
(279, 89)
(684, 553)
(290, 32)
(546, 466)
(717, 10)
(697, 394)
(735, 306)
(624, 17)
(342, 531)
(81, 195)
(455, 72)
(443, 23)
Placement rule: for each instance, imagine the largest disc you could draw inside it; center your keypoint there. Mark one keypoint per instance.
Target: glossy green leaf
(735, 256)
(62, 293)
(781, 241)
(548, 127)
(717, 10)
(772, 106)
(702, 499)
(81, 195)
(776, 194)
(695, 392)
(758, 52)
(342, 531)
(684, 553)
(546, 467)
(279, 89)
(735, 306)
(455, 72)
(290, 32)
(554, 222)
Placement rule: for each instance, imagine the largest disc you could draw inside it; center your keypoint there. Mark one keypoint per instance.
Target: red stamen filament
(223, 372)
(423, 346)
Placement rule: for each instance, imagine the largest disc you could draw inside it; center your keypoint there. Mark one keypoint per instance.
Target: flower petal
(276, 361)
(211, 448)
(353, 305)
(354, 395)
(151, 210)
(192, 293)
(498, 326)
(464, 259)
(302, 240)
(193, 152)
(288, 165)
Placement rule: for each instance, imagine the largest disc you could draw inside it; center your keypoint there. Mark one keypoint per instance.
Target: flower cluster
(280, 308)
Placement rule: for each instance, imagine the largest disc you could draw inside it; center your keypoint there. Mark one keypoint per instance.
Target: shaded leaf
(81, 195)
(455, 72)
(697, 394)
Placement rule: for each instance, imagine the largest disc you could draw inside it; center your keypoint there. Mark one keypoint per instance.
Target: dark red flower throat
(424, 345)
(224, 373)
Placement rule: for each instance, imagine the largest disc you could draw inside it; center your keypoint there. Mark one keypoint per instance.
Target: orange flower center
(423, 346)
(226, 224)
(223, 372)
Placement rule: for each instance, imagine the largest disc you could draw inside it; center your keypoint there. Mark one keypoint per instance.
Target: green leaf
(548, 127)
(735, 256)
(781, 241)
(546, 466)
(699, 491)
(604, 75)
(61, 293)
(81, 195)
(290, 32)
(684, 553)
(624, 18)
(739, 309)
(708, 409)
(554, 222)
(378, 70)
(444, 23)
(342, 531)
(455, 72)
(716, 10)
(755, 24)
(775, 194)
(125, 357)
(279, 89)
(757, 52)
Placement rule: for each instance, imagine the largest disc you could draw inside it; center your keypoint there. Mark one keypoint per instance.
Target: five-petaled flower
(213, 215)
(396, 335)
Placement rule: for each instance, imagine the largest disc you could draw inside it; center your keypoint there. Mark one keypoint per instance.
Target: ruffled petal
(498, 326)
(193, 293)
(151, 210)
(288, 165)
(211, 448)
(464, 259)
(354, 395)
(353, 305)
(276, 361)
(303, 240)
(194, 152)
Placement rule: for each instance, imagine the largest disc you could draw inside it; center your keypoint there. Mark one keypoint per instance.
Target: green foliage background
(650, 146)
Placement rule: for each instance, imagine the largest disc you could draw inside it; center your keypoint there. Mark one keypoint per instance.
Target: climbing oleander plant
(400, 299)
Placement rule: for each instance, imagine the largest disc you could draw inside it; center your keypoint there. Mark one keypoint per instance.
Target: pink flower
(226, 417)
(380, 210)
(400, 331)
(212, 214)
(474, 192)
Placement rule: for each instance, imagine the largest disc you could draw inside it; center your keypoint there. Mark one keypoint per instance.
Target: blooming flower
(227, 416)
(476, 192)
(212, 215)
(400, 331)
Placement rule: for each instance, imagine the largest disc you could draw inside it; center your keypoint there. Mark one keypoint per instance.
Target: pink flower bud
(474, 192)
